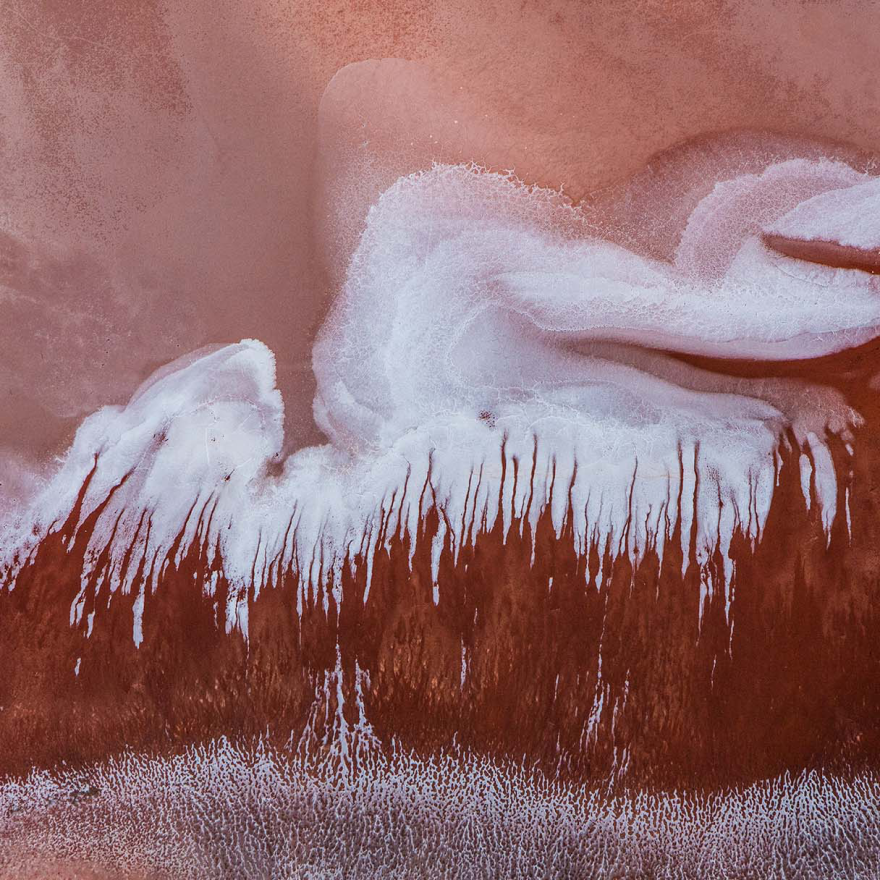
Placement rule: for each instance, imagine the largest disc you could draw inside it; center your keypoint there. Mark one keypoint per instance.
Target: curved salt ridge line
(845, 216)
(448, 357)
(742, 208)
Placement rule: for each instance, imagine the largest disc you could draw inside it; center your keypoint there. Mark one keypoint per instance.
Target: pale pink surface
(163, 172)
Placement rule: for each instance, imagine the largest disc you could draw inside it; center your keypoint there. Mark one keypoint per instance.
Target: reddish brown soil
(795, 681)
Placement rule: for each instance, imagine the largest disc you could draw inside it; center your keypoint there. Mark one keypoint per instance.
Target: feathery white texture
(224, 811)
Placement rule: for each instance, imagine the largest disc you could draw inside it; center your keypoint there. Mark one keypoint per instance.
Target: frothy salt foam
(490, 357)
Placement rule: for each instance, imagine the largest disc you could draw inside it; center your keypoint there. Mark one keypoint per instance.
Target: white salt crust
(483, 322)
(843, 216)
(221, 811)
(336, 804)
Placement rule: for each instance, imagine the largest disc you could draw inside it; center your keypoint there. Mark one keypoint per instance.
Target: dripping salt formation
(525, 509)
(481, 324)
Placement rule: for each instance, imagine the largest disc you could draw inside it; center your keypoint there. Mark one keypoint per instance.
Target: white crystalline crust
(484, 322)
(741, 208)
(253, 812)
(847, 216)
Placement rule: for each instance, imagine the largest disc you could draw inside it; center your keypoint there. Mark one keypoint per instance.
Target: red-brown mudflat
(526, 651)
